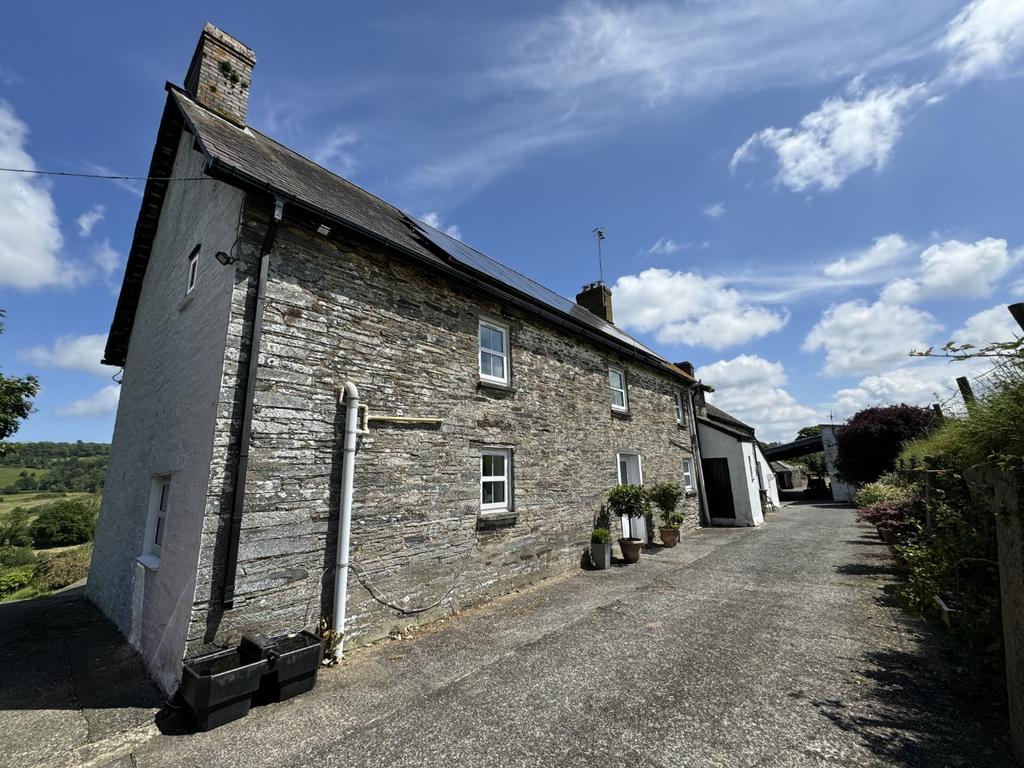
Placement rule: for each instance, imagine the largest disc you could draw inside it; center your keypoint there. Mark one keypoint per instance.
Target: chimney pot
(596, 298)
(220, 74)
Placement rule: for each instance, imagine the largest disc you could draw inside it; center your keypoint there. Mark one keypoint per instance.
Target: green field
(9, 474)
(30, 499)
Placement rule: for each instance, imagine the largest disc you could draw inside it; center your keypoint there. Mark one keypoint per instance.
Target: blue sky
(795, 194)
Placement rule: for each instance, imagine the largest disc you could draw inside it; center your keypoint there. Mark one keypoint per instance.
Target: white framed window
(631, 470)
(688, 474)
(493, 352)
(193, 269)
(494, 479)
(680, 411)
(617, 389)
(156, 525)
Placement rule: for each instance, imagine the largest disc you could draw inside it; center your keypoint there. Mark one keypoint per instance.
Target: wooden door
(719, 488)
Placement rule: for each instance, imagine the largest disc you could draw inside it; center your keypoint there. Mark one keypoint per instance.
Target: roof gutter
(256, 334)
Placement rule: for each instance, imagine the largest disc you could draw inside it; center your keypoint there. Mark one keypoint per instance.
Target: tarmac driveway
(777, 646)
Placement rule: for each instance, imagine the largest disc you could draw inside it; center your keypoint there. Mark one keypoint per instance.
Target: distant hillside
(53, 466)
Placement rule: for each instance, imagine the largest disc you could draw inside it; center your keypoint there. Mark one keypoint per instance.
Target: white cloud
(753, 390)
(667, 246)
(990, 325)
(79, 353)
(715, 210)
(432, 219)
(685, 308)
(90, 219)
(885, 251)
(335, 151)
(859, 337)
(590, 67)
(984, 37)
(106, 259)
(840, 138)
(30, 239)
(953, 268)
(101, 403)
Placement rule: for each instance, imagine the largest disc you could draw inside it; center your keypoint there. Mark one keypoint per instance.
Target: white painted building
(734, 470)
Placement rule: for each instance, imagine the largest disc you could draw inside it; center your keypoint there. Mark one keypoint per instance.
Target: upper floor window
(680, 410)
(617, 389)
(193, 269)
(494, 479)
(493, 352)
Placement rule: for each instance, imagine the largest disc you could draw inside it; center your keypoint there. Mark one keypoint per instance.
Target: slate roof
(721, 420)
(246, 157)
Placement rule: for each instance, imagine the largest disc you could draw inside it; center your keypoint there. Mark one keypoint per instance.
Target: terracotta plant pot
(630, 549)
(669, 536)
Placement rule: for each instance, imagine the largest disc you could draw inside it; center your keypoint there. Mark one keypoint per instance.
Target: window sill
(624, 415)
(148, 561)
(495, 518)
(690, 492)
(495, 388)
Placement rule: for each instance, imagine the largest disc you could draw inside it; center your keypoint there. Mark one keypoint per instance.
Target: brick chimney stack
(220, 74)
(598, 299)
(687, 366)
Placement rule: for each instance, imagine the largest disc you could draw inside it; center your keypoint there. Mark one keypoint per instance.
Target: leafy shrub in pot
(631, 502)
(601, 548)
(666, 496)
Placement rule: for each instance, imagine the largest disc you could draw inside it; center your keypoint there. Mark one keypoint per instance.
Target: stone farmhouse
(263, 295)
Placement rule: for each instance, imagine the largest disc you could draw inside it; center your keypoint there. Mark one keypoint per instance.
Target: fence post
(965, 390)
(930, 467)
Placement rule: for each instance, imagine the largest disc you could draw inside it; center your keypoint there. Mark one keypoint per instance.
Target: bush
(64, 523)
(666, 496)
(888, 488)
(629, 501)
(63, 568)
(601, 536)
(13, 579)
(872, 439)
(12, 556)
(14, 529)
(903, 518)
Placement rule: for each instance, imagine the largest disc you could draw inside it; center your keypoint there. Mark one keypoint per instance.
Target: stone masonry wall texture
(338, 311)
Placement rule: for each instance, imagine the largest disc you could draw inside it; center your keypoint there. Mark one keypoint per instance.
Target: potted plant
(665, 497)
(631, 502)
(601, 548)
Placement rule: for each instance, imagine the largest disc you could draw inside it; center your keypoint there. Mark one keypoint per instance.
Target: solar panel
(478, 262)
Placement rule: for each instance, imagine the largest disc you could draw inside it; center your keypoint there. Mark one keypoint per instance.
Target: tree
(871, 440)
(15, 398)
(65, 522)
(812, 431)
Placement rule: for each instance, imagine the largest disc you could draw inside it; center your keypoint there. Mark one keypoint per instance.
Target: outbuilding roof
(247, 158)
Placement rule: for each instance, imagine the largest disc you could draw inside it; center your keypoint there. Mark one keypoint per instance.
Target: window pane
(494, 492)
(163, 496)
(618, 398)
(499, 466)
(486, 464)
(614, 379)
(492, 365)
(158, 535)
(492, 339)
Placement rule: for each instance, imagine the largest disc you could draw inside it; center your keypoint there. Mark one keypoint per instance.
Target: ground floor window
(688, 474)
(159, 499)
(629, 469)
(494, 479)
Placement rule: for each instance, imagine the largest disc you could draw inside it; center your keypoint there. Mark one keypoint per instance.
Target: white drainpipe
(350, 396)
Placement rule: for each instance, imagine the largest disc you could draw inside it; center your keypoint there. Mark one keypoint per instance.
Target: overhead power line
(111, 177)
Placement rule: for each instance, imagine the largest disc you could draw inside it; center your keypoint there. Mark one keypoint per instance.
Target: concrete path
(778, 646)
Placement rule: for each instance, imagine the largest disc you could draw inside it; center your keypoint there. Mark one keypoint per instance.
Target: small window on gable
(680, 410)
(193, 269)
(617, 389)
(494, 352)
(156, 525)
(495, 479)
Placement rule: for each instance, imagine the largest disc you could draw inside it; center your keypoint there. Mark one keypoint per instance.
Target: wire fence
(952, 402)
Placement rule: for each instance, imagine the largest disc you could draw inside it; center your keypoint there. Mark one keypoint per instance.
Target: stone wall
(340, 311)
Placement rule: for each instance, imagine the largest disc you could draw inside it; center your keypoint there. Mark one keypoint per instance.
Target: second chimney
(598, 299)
(220, 74)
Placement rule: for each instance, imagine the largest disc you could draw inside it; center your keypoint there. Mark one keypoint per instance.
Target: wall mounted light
(224, 258)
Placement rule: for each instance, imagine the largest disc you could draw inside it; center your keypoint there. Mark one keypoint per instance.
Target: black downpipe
(235, 523)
